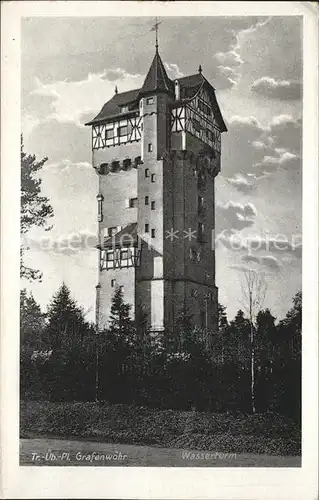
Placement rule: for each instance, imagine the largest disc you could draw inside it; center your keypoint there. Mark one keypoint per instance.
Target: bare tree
(254, 288)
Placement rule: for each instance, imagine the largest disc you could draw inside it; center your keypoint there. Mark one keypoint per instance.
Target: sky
(70, 67)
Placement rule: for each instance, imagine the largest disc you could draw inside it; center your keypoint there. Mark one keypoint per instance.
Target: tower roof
(156, 79)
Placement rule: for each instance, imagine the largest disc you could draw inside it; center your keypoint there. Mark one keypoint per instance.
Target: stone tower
(157, 152)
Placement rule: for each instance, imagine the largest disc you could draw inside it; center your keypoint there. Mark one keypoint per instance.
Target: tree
(35, 209)
(254, 291)
(288, 367)
(32, 322)
(66, 321)
(265, 348)
(290, 326)
(222, 318)
(121, 324)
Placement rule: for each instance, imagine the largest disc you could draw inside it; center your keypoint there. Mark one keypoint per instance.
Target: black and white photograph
(161, 241)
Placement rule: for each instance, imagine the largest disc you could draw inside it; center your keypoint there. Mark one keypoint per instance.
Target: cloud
(270, 261)
(259, 247)
(247, 124)
(229, 58)
(229, 61)
(277, 89)
(252, 151)
(241, 183)
(173, 70)
(58, 141)
(285, 131)
(267, 261)
(239, 154)
(71, 100)
(250, 258)
(283, 160)
(66, 164)
(236, 216)
(275, 50)
(279, 244)
(69, 244)
(226, 77)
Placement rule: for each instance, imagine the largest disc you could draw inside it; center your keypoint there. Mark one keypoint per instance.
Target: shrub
(260, 433)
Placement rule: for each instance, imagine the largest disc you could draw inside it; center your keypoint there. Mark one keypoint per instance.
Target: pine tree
(32, 322)
(35, 209)
(121, 324)
(290, 327)
(222, 318)
(66, 322)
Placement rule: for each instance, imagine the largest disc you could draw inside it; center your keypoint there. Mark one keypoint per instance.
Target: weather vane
(155, 28)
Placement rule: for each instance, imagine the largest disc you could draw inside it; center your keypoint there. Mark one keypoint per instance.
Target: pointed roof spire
(156, 78)
(116, 90)
(200, 69)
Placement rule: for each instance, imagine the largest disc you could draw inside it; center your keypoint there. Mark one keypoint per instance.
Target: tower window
(150, 147)
(147, 172)
(200, 233)
(153, 205)
(132, 203)
(150, 100)
(99, 207)
(146, 200)
(153, 178)
(147, 228)
(153, 233)
(113, 283)
(200, 204)
(111, 231)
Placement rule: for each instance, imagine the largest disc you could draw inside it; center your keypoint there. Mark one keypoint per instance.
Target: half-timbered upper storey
(192, 103)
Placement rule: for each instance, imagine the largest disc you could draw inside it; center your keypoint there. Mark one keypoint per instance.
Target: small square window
(150, 100)
(124, 254)
(111, 231)
(153, 178)
(209, 134)
(109, 134)
(132, 202)
(110, 256)
(153, 205)
(113, 282)
(147, 228)
(121, 131)
(153, 233)
(150, 147)
(147, 172)
(146, 200)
